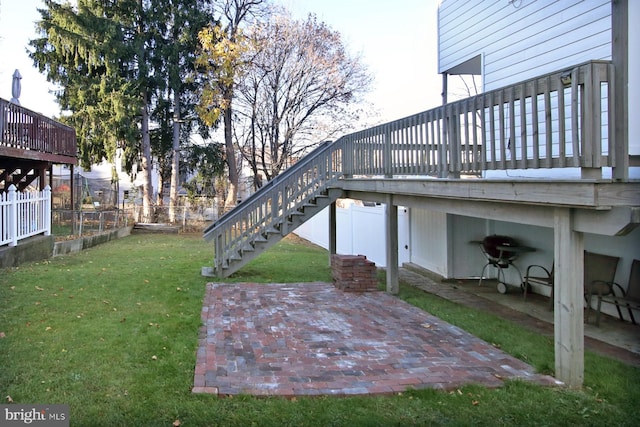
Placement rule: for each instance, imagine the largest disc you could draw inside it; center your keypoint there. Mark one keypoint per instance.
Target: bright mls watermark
(34, 415)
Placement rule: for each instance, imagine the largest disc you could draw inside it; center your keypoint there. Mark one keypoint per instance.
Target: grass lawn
(112, 331)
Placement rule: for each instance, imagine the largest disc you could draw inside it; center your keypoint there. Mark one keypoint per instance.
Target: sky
(397, 41)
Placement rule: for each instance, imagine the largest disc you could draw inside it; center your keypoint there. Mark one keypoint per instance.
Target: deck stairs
(278, 208)
(510, 128)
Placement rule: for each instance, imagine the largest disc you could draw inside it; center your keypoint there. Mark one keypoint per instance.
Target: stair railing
(267, 210)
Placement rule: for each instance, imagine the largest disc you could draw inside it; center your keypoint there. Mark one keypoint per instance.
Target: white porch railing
(24, 214)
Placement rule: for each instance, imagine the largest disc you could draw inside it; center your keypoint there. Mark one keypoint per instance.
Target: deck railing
(27, 130)
(555, 121)
(24, 214)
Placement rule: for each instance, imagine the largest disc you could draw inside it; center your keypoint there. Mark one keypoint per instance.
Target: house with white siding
(507, 42)
(548, 154)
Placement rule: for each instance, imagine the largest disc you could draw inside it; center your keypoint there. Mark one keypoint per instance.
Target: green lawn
(112, 331)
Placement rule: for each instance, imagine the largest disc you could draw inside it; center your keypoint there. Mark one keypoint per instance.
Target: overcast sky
(396, 40)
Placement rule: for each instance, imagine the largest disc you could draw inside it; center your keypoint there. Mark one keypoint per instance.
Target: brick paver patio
(313, 339)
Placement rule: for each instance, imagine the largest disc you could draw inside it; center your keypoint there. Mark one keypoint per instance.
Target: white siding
(518, 43)
(468, 259)
(429, 242)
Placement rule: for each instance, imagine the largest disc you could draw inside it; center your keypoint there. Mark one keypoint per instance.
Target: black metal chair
(539, 275)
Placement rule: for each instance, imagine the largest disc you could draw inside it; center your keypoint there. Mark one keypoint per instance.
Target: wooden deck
(29, 144)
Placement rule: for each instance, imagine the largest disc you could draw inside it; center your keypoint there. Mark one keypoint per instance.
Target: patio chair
(539, 275)
(599, 273)
(629, 299)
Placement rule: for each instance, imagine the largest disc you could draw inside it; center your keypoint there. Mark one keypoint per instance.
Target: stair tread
(297, 209)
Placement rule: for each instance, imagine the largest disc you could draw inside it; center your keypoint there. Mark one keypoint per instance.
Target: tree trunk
(232, 194)
(147, 187)
(175, 159)
(160, 187)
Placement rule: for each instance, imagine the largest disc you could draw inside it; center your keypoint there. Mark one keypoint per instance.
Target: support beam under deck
(568, 299)
(333, 236)
(391, 218)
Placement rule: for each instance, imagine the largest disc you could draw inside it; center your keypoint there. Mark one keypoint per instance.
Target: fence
(189, 214)
(354, 222)
(76, 223)
(24, 214)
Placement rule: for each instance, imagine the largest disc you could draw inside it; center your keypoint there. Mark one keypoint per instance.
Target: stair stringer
(266, 240)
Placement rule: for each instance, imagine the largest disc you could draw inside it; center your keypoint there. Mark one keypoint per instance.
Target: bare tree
(298, 89)
(222, 45)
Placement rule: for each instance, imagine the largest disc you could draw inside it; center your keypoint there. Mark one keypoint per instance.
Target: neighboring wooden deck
(30, 143)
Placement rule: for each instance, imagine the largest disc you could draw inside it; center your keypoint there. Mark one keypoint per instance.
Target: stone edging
(70, 246)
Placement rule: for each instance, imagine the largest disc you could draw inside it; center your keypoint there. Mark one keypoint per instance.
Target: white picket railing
(24, 214)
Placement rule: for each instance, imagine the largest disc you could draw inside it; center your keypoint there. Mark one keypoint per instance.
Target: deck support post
(568, 299)
(620, 55)
(391, 218)
(333, 235)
